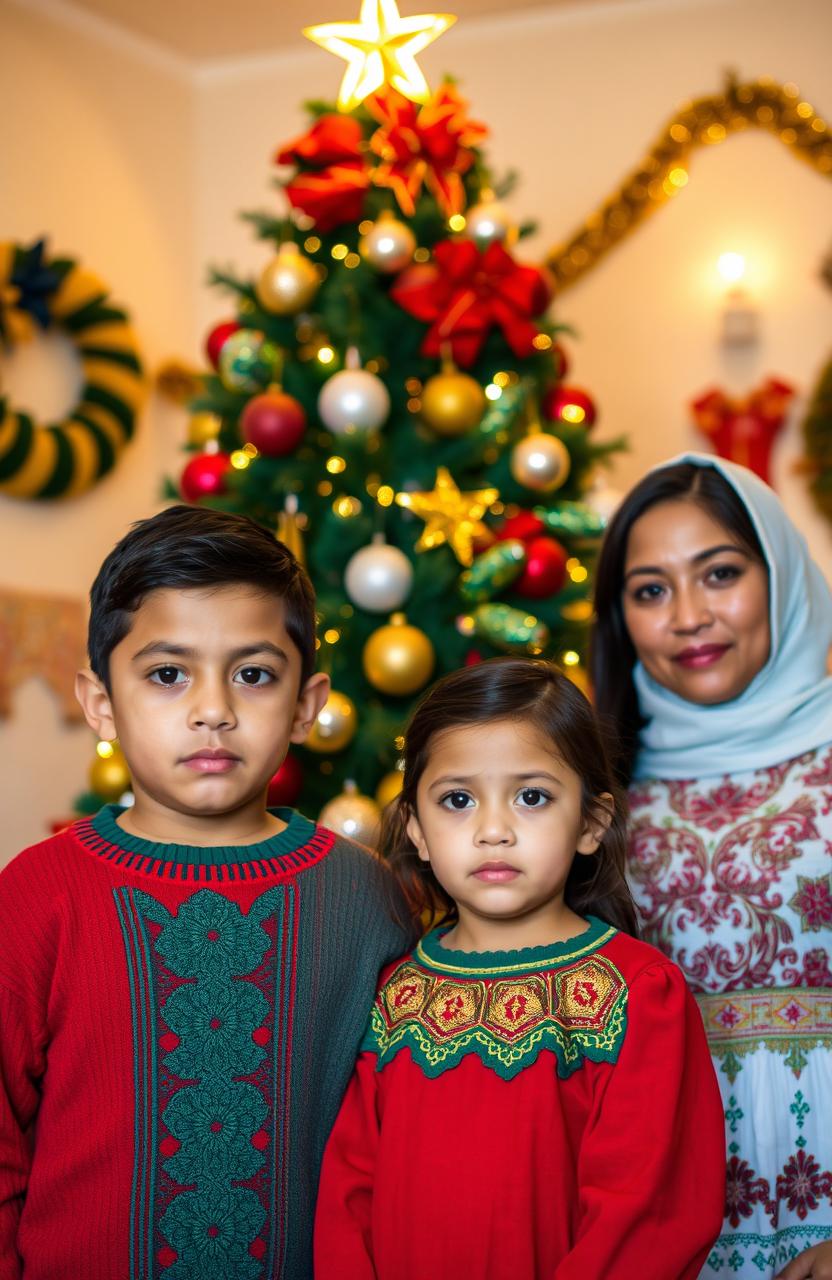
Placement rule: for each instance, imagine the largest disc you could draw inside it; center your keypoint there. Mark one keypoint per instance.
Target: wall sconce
(740, 319)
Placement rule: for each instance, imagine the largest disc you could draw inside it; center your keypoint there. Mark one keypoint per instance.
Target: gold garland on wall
(759, 104)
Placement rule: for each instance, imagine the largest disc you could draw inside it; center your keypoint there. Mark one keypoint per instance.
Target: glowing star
(380, 49)
(450, 516)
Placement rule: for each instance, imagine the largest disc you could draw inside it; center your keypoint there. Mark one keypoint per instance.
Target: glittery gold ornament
(389, 787)
(335, 726)
(450, 515)
(398, 659)
(202, 428)
(540, 462)
(288, 283)
(353, 815)
(109, 776)
(452, 402)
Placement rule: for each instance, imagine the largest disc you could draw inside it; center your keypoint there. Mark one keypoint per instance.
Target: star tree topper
(380, 49)
(450, 515)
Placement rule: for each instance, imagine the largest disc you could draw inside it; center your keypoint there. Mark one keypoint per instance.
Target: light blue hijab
(787, 708)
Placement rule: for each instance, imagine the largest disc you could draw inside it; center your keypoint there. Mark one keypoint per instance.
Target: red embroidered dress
(733, 878)
(177, 1027)
(548, 1114)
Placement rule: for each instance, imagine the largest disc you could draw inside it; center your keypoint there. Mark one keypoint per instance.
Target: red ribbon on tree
(466, 291)
(430, 145)
(334, 179)
(744, 431)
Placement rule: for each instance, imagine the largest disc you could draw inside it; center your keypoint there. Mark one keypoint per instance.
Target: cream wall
(140, 165)
(96, 150)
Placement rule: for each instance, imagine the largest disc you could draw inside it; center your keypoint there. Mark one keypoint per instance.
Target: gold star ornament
(449, 515)
(380, 49)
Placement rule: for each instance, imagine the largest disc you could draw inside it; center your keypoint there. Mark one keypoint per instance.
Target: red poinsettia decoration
(428, 145)
(466, 291)
(334, 178)
(744, 431)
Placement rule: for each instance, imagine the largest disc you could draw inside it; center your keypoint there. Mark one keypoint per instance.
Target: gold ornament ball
(540, 462)
(353, 815)
(335, 726)
(202, 428)
(389, 245)
(398, 659)
(288, 283)
(110, 777)
(389, 787)
(452, 403)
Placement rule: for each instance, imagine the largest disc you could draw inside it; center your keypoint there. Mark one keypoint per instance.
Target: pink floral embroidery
(726, 802)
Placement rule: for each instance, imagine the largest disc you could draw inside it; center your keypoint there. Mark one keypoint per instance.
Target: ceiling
(200, 30)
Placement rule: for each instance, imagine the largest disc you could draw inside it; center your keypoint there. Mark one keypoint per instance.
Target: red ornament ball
(570, 406)
(524, 525)
(204, 476)
(274, 423)
(284, 787)
(545, 570)
(217, 338)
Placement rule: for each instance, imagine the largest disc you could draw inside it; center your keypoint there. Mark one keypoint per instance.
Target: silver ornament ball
(353, 815)
(490, 221)
(378, 578)
(389, 245)
(353, 400)
(540, 462)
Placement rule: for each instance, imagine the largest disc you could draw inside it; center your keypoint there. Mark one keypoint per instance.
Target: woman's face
(695, 603)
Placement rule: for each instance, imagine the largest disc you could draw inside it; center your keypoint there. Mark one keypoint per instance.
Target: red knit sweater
(549, 1114)
(177, 1027)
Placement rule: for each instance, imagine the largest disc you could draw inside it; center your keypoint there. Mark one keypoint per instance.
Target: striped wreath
(63, 459)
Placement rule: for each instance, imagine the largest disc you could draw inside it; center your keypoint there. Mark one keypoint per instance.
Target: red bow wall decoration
(744, 431)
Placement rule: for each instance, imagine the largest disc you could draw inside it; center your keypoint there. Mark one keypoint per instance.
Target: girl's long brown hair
(537, 693)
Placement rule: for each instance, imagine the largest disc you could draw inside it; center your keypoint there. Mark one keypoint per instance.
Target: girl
(534, 1097)
(709, 657)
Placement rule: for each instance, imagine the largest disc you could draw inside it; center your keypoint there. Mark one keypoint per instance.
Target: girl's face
(498, 817)
(695, 604)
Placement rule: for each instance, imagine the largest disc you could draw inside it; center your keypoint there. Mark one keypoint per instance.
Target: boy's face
(205, 699)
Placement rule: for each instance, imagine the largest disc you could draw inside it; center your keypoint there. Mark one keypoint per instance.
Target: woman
(709, 659)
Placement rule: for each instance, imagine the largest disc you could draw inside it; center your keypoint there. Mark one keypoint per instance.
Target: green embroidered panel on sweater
(578, 1012)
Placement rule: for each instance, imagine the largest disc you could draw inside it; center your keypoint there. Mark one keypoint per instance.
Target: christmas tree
(389, 397)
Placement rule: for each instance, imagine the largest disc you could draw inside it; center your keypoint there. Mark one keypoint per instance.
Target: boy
(184, 983)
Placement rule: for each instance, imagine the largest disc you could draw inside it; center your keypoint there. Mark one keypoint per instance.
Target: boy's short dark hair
(185, 547)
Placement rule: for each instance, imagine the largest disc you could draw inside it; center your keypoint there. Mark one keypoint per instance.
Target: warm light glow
(339, 251)
(493, 392)
(731, 266)
(332, 636)
(326, 355)
(105, 750)
(380, 49)
(335, 465)
(573, 413)
(385, 495)
(457, 222)
(571, 658)
(240, 460)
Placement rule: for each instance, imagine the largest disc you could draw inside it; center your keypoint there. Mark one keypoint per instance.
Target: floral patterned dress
(733, 879)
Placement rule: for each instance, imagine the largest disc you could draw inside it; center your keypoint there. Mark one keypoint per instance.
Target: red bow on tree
(465, 292)
(744, 431)
(428, 145)
(333, 182)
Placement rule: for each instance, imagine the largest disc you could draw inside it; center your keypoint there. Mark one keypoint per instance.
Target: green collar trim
(297, 834)
(482, 964)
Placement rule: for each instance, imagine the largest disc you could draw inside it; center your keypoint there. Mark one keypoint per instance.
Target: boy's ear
(310, 701)
(416, 835)
(96, 704)
(597, 823)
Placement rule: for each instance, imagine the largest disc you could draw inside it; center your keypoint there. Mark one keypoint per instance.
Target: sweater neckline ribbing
(433, 955)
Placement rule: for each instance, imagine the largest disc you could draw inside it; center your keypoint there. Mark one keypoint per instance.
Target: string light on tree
(380, 49)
